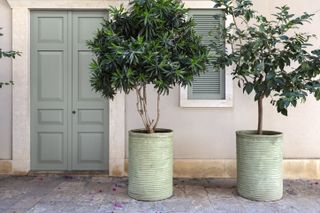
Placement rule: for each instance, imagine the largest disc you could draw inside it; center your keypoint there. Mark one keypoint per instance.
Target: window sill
(206, 103)
(185, 102)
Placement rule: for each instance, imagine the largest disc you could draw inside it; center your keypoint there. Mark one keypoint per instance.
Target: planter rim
(163, 133)
(265, 134)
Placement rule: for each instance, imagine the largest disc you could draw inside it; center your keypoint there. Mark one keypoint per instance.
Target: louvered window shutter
(209, 85)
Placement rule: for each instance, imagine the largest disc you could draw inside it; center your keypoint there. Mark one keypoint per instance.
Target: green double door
(69, 122)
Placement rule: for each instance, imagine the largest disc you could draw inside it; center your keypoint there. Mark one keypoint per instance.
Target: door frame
(21, 103)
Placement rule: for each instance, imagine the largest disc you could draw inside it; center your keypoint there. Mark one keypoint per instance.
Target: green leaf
(284, 112)
(294, 103)
(284, 37)
(248, 87)
(317, 94)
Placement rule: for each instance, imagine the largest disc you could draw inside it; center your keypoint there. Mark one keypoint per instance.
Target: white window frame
(227, 101)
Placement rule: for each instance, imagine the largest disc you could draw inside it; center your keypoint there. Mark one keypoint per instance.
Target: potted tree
(263, 54)
(7, 54)
(150, 43)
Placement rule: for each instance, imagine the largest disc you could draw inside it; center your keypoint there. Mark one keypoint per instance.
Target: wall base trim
(5, 166)
(11, 167)
(209, 168)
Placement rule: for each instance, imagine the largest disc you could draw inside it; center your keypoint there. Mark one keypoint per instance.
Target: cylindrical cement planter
(259, 165)
(150, 165)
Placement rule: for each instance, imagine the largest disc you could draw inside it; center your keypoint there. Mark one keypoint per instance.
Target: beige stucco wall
(5, 75)
(209, 133)
(202, 133)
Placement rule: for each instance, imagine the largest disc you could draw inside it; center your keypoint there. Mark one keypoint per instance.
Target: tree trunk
(151, 130)
(260, 115)
(142, 108)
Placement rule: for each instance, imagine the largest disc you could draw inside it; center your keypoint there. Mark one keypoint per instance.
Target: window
(213, 88)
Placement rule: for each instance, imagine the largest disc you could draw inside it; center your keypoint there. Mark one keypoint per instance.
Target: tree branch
(145, 104)
(158, 112)
(139, 107)
(260, 116)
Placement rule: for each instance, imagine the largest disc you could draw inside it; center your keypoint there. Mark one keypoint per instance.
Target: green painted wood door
(68, 120)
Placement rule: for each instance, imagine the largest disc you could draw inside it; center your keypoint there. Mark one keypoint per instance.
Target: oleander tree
(152, 42)
(270, 57)
(7, 54)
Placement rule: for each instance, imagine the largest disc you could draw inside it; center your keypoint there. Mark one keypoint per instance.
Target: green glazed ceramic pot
(150, 165)
(259, 165)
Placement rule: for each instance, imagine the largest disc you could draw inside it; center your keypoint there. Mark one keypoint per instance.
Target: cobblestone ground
(105, 194)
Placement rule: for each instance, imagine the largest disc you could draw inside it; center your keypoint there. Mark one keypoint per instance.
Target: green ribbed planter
(259, 165)
(150, 165)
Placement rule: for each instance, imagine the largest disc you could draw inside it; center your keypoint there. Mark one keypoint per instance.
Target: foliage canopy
(151, 42)
(270, 57)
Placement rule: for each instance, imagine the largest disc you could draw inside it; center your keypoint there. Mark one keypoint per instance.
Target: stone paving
(105, 194)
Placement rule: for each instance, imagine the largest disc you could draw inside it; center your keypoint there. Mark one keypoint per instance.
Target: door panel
(50, 116)
(90, 147)
(50, 75)
(90, 120)
(50, 147)
(86, 24)
(69, 120)
(50, 29)
(84, 92)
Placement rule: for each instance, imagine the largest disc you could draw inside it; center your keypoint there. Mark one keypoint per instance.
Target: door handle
(73, 112)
